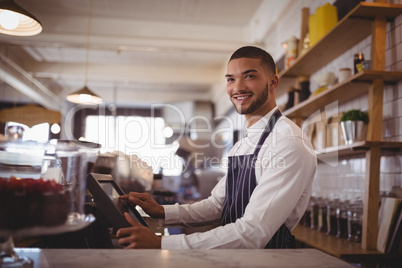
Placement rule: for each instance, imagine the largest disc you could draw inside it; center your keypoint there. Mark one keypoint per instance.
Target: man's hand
(137, 236)
(147, 203)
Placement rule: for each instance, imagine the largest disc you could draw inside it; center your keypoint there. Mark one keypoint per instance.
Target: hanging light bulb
(14, 20)
(85, 95)
(9, 20)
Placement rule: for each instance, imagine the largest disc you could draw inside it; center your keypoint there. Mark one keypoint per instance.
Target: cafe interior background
(158, 67)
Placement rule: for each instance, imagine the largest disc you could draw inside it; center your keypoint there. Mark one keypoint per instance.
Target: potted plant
(354, 125)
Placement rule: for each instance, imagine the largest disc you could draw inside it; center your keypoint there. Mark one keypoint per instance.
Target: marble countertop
(99, 258)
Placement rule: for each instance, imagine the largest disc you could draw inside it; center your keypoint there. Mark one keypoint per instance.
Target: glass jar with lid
(306, 219)
(314, 212)
(355, 219)
(332, 227)
(322, 215)
(342, 219)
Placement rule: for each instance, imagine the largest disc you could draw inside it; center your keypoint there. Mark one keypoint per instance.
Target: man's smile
(242, 97)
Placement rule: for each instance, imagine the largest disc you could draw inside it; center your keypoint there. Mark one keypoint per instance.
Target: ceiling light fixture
(85, 95)
(14, 20)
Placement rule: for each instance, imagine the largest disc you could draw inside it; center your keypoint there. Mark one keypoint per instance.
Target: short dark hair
(255, 53)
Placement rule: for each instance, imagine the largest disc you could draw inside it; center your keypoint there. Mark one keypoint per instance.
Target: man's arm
(200, 213)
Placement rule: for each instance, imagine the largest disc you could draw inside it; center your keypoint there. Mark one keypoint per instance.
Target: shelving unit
(331, 155)
(359, 148)
(353, 87)
(364, 20)
(349, 31)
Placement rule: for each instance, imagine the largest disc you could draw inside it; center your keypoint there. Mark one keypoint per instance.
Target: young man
(268, 184)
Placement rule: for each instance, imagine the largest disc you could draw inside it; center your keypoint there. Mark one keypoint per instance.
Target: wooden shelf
(355, 86)
(337, 247)
(331, 154)
(349, 31)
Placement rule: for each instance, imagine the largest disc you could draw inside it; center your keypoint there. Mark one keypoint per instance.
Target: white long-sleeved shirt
(284, 170)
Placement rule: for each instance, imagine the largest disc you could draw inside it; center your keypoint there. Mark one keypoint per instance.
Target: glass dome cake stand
(63, 167)
(9, 258)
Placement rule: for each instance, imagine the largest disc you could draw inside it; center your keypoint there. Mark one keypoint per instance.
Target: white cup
(344, 74)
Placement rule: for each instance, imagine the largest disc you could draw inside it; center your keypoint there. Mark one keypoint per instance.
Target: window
(39, 132)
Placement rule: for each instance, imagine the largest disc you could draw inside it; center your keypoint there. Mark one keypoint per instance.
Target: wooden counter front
(337, 247)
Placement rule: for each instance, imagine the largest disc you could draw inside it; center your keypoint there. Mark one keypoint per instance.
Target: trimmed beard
(254, 106)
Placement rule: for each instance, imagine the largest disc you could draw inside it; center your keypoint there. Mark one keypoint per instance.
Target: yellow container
(312, 25)
(320, 23)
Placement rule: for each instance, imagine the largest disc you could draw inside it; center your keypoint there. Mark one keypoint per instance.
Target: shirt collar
(262, 123)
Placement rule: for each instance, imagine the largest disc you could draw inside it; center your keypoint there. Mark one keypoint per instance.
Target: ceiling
(130, 52)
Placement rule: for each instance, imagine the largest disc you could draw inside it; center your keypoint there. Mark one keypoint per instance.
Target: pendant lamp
(85, 95)
(14, 20)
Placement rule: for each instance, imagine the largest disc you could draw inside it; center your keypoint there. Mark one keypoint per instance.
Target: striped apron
(240, 184)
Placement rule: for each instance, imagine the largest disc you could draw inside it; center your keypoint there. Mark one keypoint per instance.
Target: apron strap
(271, 123)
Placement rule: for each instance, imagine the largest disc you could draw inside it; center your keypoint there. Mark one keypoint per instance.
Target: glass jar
(355, 219)
(342, 219)
(314, 213)
(322, 215)
(332, 227)
(307, 216)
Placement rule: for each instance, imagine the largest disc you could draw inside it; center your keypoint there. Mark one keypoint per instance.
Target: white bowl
(325, 79)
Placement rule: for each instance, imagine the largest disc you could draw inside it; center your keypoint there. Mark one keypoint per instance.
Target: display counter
(99, 258)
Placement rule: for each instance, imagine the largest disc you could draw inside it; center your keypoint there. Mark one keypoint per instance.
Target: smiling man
(269, 179)
(252, 91)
